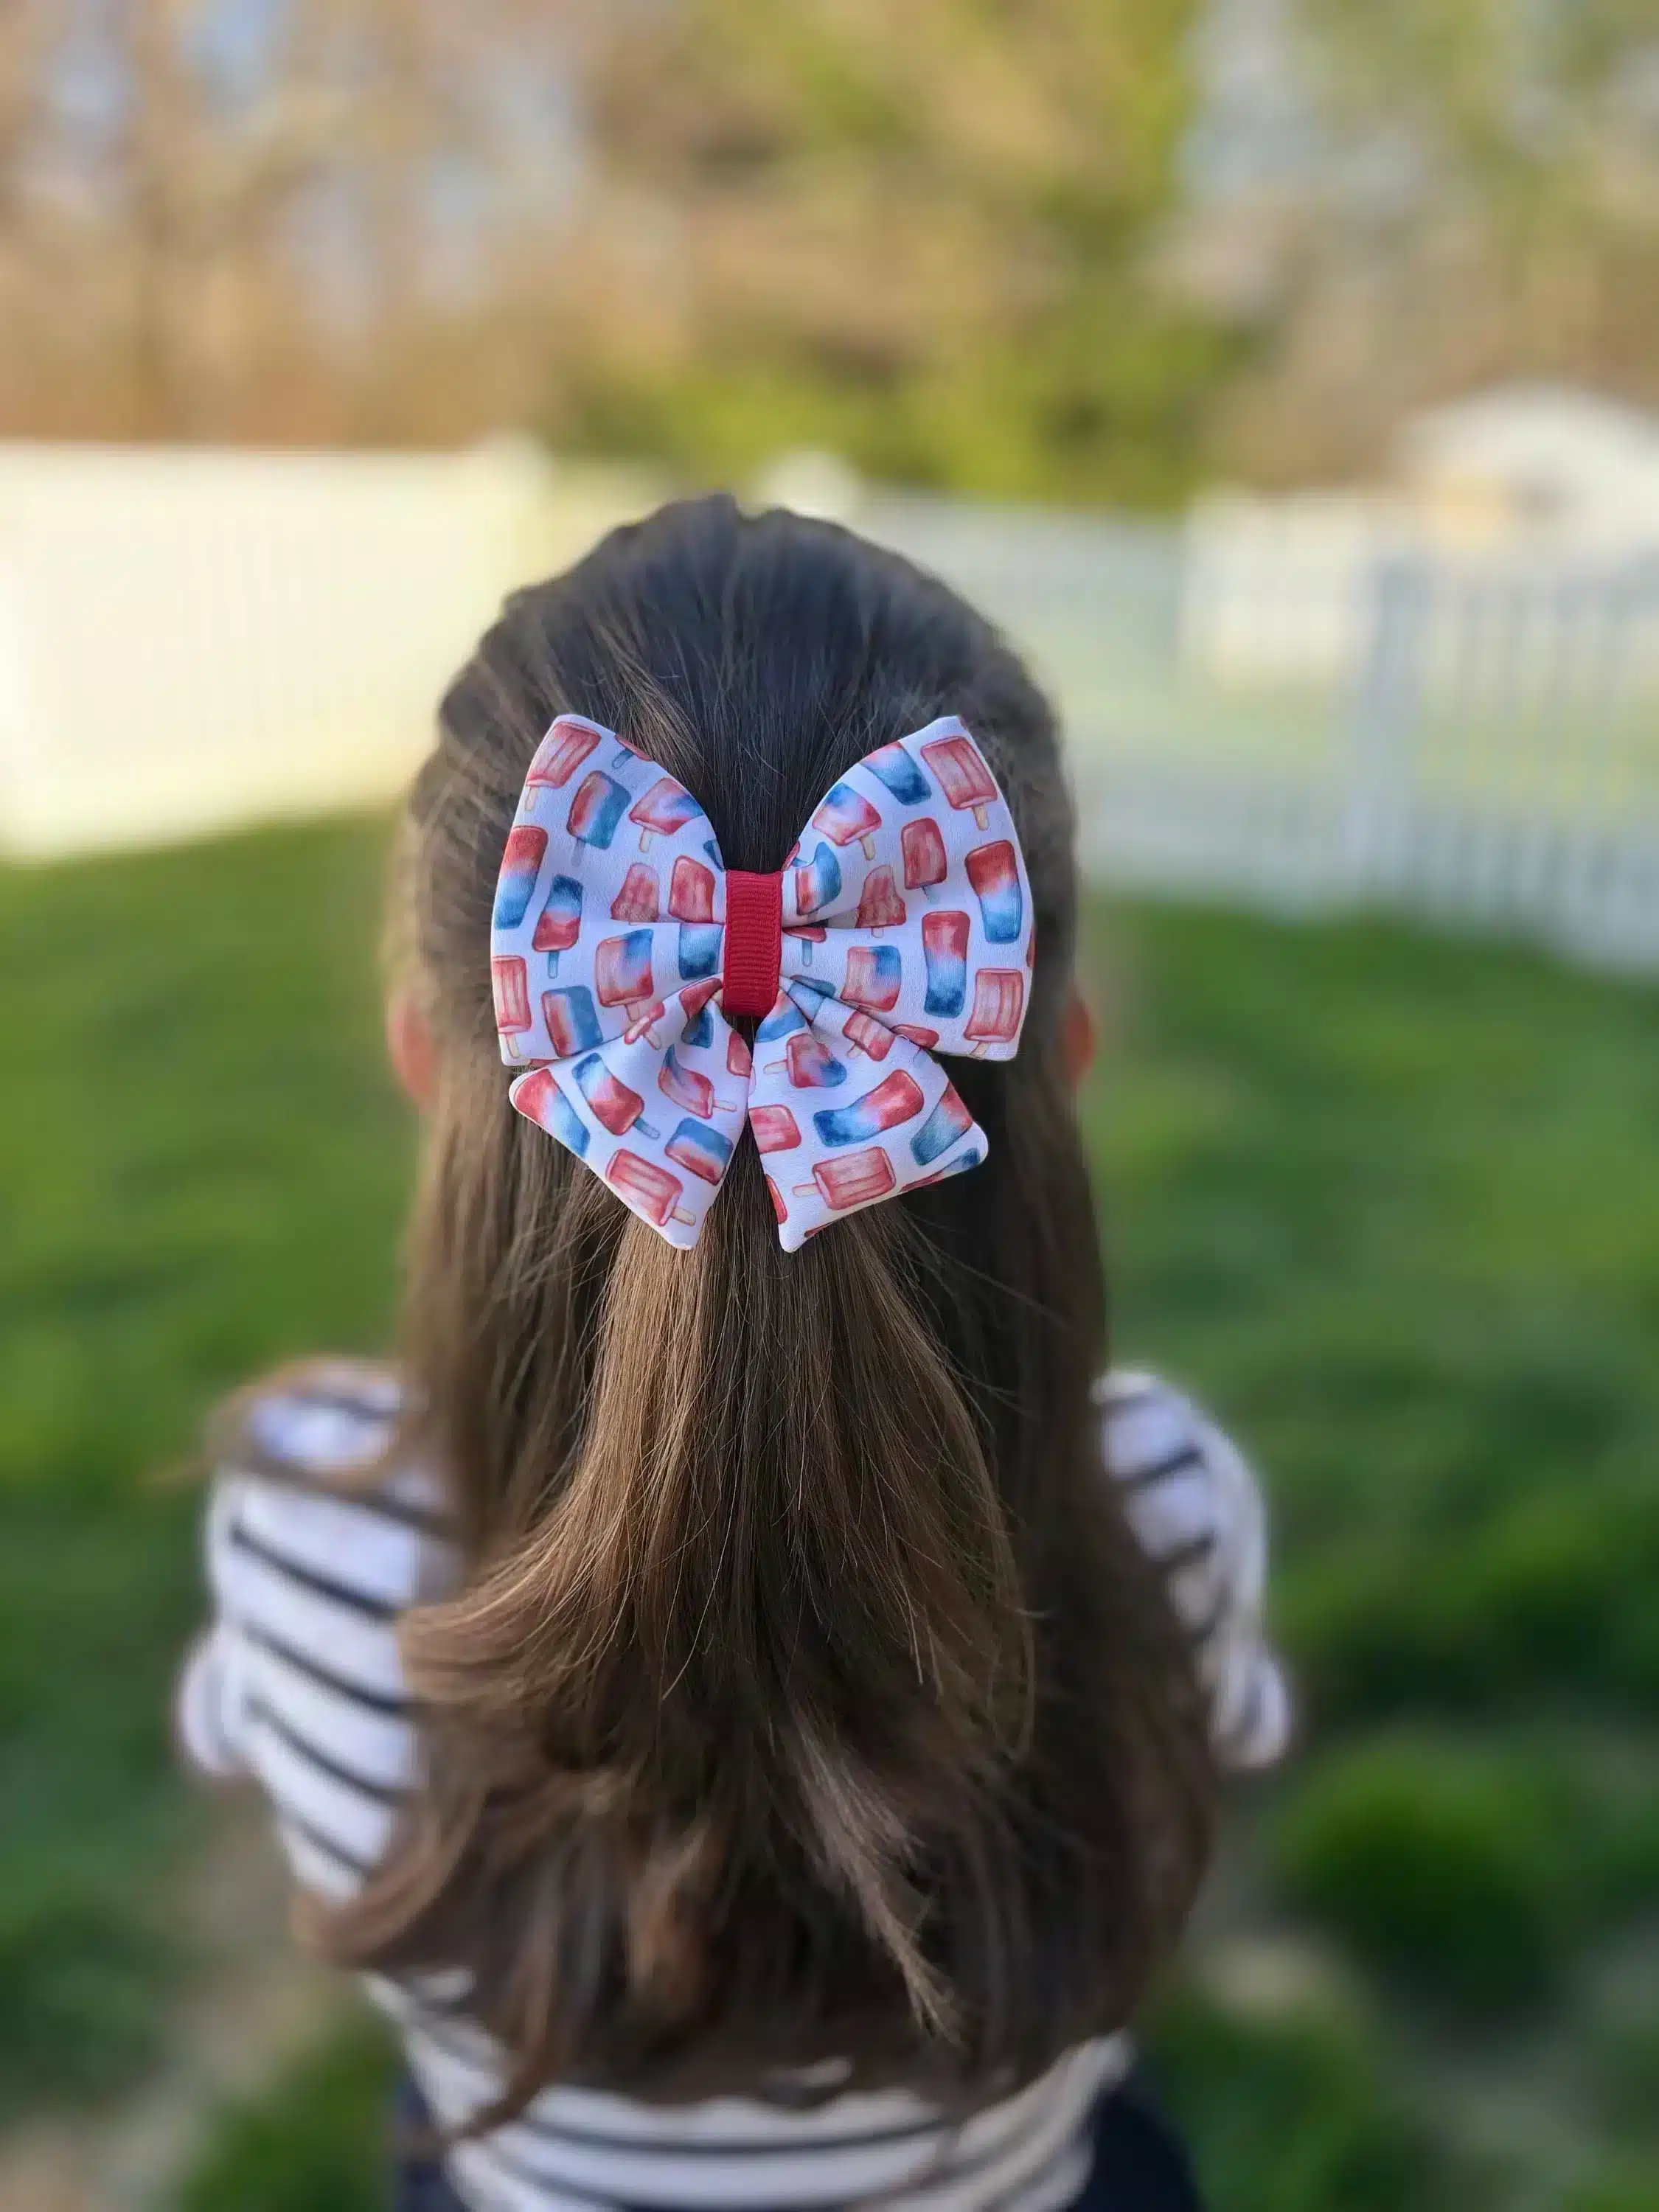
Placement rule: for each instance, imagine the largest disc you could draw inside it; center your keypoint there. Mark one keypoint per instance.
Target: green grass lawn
(1388, 1200)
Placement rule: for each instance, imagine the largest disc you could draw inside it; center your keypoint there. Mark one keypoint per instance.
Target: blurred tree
(696, 228)
(1485, 205)
(919, 235)
(224, 221)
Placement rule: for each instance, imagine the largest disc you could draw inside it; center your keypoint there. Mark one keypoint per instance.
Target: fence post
(1383, 716)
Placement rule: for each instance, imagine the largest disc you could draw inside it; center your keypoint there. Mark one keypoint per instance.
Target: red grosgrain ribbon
(754, 943)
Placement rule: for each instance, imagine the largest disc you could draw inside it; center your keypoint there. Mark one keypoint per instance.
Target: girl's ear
(409, 1044)
(1080, 1037)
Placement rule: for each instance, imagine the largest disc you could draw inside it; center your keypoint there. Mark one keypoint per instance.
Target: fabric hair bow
(622, 946)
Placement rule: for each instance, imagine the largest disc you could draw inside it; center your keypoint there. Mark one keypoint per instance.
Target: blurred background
(1284, 374)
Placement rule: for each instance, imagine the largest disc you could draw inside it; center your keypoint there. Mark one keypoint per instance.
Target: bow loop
(900, 928)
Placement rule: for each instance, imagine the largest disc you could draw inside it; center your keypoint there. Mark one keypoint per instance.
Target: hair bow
(623, 947)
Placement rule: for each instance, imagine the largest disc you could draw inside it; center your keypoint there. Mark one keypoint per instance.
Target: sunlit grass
(1387, 1199)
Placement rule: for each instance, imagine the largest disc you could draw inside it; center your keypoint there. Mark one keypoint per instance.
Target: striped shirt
(298, 1684)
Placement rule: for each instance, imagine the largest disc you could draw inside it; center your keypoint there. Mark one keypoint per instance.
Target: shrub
(1626, 2073)
(1442, 1863)
(318, 2141)
(1552, 1593)
(1620, 2188)
(1294, 2115)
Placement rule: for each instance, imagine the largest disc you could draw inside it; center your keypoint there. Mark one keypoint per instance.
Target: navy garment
(1140, 2163)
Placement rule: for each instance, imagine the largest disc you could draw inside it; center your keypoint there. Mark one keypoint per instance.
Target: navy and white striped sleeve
(298, 1682)
(1192, 1499)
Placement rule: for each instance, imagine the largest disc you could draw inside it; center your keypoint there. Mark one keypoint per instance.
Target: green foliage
(200, 1173)
(1296, 2114)
(1626, 2054)
(317, 2141)
(945, 214)
(1620, 2187)
(1447, 1865)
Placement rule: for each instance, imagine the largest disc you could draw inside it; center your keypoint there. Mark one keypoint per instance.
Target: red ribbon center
(754, 943)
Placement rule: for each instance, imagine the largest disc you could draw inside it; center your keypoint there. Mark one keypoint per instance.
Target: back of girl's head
(806, 1695)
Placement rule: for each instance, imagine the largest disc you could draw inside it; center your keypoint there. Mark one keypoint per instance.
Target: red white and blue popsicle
(560, 922)
(622, 970)
(700, 1151)
(944, 954)
(810, 1064)
(817, 881)
(572, 1025)
(899, 773)
(949, 1120)
(596, 810)
(616, 1105)
(538, 1097)
(665, 808)
(993, 871)
(692, 1092)
(521, 863)
(874, 973)
(896, 1098)
(845, 817)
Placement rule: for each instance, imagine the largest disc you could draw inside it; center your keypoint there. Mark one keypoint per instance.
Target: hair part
(807, 1694)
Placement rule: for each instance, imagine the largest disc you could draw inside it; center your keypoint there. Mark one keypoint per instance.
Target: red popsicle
(998, 1001)
(653, 1192)
(880, 906)
(923, 848)
(637, 899)
(642, 1021)
(776, 1197)
(691, 890)
(558, 756)
(739, 1059)
(925, 1038)
(509, 986)
(866, 1034)
(962, 776)
(667, 807)
(775, 1128)
(854, 1182)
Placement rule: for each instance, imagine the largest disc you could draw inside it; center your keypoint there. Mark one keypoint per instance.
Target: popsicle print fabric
(906, 916)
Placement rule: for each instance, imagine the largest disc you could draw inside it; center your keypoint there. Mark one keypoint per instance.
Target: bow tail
(847, 1112)
(656, 1112)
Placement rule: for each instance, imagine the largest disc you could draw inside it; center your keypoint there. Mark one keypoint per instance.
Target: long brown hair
(806, 1695)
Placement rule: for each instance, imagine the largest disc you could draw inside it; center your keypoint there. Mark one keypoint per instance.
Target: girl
(749, 1710)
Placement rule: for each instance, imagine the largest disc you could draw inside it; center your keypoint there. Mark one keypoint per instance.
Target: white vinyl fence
(1487, 749)
(189, 640)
